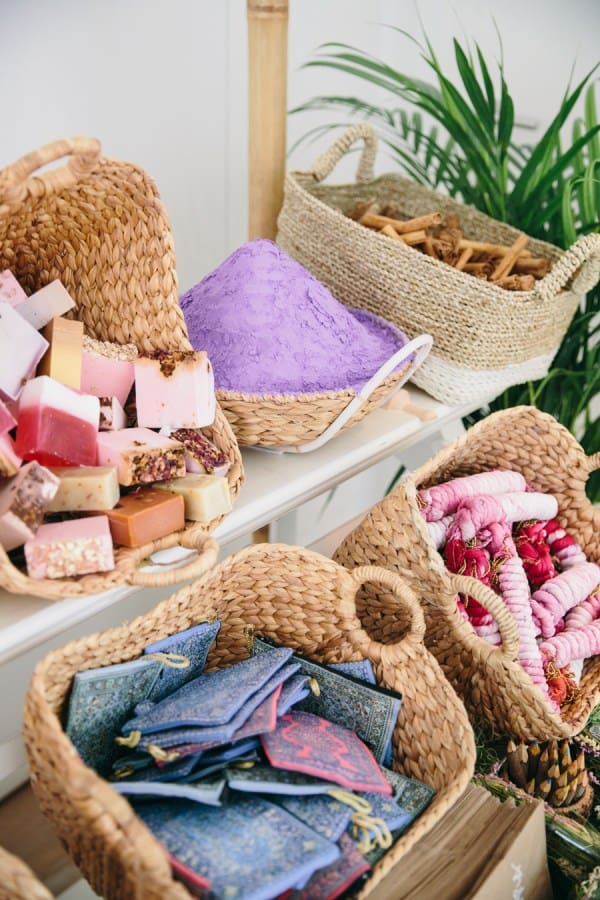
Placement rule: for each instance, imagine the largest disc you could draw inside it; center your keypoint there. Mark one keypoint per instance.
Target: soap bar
(9, 458)
(57, 426)
(206, 496)
(201, 455)
(10, 289)
(24, 500)
(41, 307)
(21, 348)
(145, 515)
(75, 547)
(107, 369)
(174, 389)
(112, 414)
(83, 488)
(62, 361)
(140, 455)
(7, 420)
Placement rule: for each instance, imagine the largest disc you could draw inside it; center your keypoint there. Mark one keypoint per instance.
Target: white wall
(165, 84)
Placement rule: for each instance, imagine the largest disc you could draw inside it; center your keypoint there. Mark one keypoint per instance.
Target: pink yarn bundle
(560, 594)
(442, 499)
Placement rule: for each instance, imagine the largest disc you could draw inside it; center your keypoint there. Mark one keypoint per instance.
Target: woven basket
(299, 423)
(100, 227)
(17, 881)
(491, 682)
(485, 338)
(296, 597)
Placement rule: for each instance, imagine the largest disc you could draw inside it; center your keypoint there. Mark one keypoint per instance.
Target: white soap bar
(49, 302)
(21, 348)
(205, 496)
(112, 414)
(85, 488)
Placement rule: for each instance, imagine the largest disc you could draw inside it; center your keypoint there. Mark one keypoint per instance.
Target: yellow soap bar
(62, 360)
(84, 488)
(205, 496)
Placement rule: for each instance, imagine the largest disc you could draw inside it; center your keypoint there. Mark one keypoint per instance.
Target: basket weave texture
(100, 227)
(489, 679)
(296, 597)
(485, 338)
(17, 881)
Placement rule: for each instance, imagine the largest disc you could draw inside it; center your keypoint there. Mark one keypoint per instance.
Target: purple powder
(269, 327)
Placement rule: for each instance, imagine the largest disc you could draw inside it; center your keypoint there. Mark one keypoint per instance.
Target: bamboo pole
(267, 110)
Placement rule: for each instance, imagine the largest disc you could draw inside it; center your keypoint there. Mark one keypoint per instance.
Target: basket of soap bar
(293, 367)
(496, 303)
(17, 881)
(135, 714)
(499, 540)
(81, 476)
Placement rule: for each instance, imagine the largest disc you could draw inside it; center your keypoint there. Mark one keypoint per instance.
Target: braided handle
(17, 181)
(593, 462)
(465, 584)
(326, 163)
(583, 255)
(207, 551)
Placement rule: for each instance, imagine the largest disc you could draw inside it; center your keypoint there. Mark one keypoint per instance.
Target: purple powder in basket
(269, 327)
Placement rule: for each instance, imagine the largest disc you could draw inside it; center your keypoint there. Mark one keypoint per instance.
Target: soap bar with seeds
(74, 547)
(140, 456)
(206, 496)
(24, 500)
(63, 357)
(107, 369)
(145, 515)
(174, 389)
(83, 488)
(112, 414)
(202, 457)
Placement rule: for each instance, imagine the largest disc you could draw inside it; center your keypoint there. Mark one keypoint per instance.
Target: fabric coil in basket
(491, 681)
(292, 365)
(485, 338)
(261, 590)
(99, 226)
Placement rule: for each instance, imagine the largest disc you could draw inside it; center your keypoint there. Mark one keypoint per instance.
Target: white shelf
(275, 484)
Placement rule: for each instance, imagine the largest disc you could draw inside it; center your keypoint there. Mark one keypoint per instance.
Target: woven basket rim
(342, 394)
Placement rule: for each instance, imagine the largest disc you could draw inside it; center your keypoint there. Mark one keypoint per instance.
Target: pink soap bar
(112, 414)
(140, 455)
(21, 348)
(174, 389)
(10, 289)
(74, 547)
(9, 458)
(24, 500)
(57, 425)
(7, 420)
(201, 455)
(107, 369)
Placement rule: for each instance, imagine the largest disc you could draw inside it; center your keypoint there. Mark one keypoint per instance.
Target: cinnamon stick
(516, 282)
(485, 247)
(362, 208)
(509, 259)
(390, 232)
(532, 265)
(414, 237)
(372, 220)
(464, 258)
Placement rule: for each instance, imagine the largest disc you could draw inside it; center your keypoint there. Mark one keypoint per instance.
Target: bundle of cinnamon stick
(509, 267)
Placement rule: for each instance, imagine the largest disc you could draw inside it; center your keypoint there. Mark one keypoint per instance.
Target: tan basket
(304, 422)
(296, 597)
(485, 338)
(100, 227)
(491, 682)
(17, 881)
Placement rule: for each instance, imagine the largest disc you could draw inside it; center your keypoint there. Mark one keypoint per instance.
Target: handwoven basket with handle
(490, 680)
(296, 597)
(485, 338)
(17, 881)
(99, 226)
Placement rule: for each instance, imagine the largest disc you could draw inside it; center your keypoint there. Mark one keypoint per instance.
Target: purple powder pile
(269, 327)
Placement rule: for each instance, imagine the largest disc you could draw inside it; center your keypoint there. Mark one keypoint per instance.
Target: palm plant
(458, 136)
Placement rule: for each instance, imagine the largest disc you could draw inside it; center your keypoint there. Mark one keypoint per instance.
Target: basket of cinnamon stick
(497, 302)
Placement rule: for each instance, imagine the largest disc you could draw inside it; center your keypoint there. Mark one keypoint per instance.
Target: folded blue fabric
(192, 644)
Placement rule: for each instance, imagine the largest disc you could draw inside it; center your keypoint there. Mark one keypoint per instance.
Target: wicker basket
(491, 682)
(485, 338)
(296, 597)
(299, 423)
(17, 881)
(100, 227)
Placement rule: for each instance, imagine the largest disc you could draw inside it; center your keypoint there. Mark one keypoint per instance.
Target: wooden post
(267, 111)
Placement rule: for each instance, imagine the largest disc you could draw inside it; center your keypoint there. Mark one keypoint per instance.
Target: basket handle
(509, 631)
(419, 346)
(593, 462)
(205, 557)
(326, 163)
(17, 182)
(583, 255)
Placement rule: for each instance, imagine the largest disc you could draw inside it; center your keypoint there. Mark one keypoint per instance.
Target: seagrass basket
(485, 338)
(99, 226)
(304, 422)
(492, 683)
(17, 881)
(296, 597)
